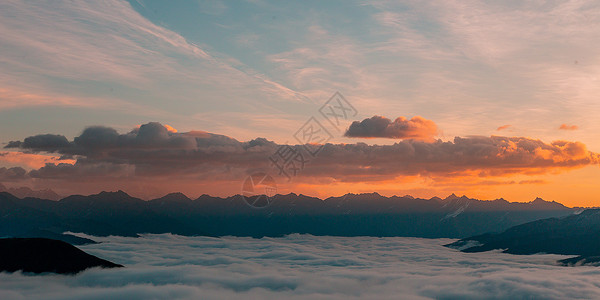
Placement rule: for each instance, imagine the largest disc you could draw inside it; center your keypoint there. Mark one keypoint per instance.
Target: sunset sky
(491, 99)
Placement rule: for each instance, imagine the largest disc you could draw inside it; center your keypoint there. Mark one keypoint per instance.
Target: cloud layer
(305, 267)
(155, 151)
(417, 128)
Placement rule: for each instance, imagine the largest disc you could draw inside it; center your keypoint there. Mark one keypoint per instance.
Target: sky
(485, 98)
(297, 266)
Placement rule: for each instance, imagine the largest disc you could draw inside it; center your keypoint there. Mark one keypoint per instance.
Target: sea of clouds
(305, 267)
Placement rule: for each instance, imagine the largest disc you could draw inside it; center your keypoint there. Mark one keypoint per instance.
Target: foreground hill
(117, 213)
(572, 235)
(38, 255)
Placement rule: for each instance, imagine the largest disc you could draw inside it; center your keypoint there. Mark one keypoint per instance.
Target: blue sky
(240, 67)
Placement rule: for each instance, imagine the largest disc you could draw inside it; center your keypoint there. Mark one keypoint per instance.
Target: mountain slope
(20, 218)
(572, 235)
(39, 255)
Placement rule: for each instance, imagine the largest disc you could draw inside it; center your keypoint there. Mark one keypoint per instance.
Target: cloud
(503, 127)
(30, 160)
(534, 181)
(305, 267)
(12, 174)
(568, 127)
(417, 128)
(485, 156)
(82, 170)
(52, 56)
(42, 142)
(152, 154)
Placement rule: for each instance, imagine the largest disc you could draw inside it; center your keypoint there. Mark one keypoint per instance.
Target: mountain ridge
(367, 214)
(575, 234)
(182, 196)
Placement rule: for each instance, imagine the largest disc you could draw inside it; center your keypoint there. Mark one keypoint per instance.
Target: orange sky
(572, 186)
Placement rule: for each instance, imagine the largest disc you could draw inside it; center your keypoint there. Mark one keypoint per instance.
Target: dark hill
(572, 235)
(40, 255)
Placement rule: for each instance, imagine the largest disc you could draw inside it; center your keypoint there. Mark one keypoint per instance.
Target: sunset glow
(441, 98)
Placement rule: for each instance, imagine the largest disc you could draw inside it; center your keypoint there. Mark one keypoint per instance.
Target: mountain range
(371, 214)
(577, 234)
(23, 192)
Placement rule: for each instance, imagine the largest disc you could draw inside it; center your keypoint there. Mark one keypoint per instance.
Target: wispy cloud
(568, 127)
(110, 44)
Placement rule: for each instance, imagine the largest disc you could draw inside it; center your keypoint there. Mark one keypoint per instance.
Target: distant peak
(209, 197)
(451, 197)
(24, 192)
(119, 193)
(371, 194)
(539, 200)
(176, 195)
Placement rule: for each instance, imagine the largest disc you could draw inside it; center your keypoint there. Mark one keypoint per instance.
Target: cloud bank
(155, 151)
(305, 267)
(417, 128)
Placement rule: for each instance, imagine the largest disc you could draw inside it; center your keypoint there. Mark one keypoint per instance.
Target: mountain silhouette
(370, 214)
(577, 234)
(23, 192)
(40, 255)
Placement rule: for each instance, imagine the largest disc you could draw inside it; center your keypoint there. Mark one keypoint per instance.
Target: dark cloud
(98, 137)
(489, 156)
(12, 174)
(153, 150)
(417, 128)
(42, 142)
(82, 170)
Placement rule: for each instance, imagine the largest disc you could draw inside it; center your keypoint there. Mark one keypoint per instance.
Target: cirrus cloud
(503, 127)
